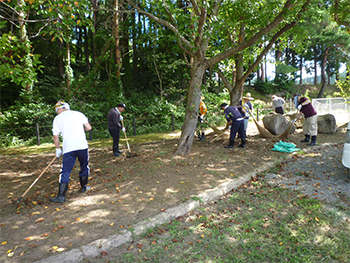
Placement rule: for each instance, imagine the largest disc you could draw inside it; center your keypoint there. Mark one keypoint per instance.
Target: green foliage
(13, 61)
(344, 86)
(17, 124)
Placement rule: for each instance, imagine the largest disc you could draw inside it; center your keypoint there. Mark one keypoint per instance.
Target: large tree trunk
(323, 73)
(237, 92)
(193, 100)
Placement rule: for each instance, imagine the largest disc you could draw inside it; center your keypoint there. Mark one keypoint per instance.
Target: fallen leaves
(39, 220)
(57, 249)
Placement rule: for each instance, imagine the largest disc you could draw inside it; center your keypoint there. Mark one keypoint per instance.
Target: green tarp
(286, 147)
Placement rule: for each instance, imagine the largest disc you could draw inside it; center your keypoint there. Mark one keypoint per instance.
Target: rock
(299, 123)
(326, 123)
(276, 124)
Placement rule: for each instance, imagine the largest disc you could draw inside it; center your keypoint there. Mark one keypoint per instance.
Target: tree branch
(244, 44)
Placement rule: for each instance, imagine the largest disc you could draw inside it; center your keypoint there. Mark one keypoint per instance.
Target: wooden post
(173, 121)
(134, 124)
(37, 133)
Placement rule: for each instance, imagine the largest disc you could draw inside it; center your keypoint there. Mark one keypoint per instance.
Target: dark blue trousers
(237, 127)
(69, 161)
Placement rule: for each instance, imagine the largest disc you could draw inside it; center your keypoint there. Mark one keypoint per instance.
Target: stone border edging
(96, 247)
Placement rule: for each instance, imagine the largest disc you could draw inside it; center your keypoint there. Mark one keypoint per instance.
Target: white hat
(248, 96)
(62, 105)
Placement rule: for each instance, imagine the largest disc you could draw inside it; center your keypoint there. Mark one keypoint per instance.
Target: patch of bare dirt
(124, 190)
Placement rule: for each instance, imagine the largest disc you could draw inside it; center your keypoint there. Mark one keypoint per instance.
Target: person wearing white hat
(277, 104)
(72, 126)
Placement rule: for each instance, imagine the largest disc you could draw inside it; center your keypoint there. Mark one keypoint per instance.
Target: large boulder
(277, 123)
(326, 123)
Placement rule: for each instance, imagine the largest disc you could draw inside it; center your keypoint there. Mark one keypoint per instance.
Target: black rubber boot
(242, 145)
(231, 145)
(83, 183)
(313, 141)
(202, 137)
(61, 197)
(307, 138)
(116, 152)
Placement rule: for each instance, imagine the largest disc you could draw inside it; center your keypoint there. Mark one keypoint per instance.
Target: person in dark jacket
(310, 123)
(235, 120)
(114, 118)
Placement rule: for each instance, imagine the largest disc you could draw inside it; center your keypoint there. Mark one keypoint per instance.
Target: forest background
(159, 57)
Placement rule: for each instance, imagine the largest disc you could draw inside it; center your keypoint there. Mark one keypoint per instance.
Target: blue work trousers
(237, 127)
(69, 161)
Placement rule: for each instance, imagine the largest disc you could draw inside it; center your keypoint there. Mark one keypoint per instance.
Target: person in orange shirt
(201, 113)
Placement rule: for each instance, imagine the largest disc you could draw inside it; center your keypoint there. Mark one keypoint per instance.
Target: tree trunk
(278, 55)
(193, 100)
(301, 71)
(323, 73)
(68, 71)
(262, 72)
(265, 62)
(24, 38)
(315, 65)
(86, 50)
(95, 14)
(60, 59)
(237, 92)
(116, 37)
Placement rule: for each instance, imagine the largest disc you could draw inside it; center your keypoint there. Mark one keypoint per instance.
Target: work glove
(123, 129)
(121, 118)
(299, 106)
(58, 152)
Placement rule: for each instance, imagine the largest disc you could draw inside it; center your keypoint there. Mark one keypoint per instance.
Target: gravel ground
(318, 173)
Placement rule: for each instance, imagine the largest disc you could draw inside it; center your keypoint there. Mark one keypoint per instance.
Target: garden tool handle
(30, 187)
(126, 138)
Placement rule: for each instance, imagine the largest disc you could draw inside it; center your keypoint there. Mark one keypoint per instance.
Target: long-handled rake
(30, 187)
(263, 131)
(127, 143)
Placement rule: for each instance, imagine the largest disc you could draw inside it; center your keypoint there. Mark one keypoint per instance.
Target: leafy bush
(344, 86)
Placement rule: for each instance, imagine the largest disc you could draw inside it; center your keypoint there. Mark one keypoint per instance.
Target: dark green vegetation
(158, 58)
(255, 223)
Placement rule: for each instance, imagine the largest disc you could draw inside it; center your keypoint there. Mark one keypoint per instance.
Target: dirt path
(124, 190)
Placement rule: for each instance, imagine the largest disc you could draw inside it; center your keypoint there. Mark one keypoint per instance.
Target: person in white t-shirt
(72, 126)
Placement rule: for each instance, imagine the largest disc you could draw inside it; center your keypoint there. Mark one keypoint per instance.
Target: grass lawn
(255, 223)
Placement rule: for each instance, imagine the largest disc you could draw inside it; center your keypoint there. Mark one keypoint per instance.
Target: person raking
(72, 126)
(114, 117)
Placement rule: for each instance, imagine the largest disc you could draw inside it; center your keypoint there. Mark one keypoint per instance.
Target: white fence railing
(338, 107)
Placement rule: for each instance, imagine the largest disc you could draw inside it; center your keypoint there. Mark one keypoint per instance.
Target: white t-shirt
(70, 124)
